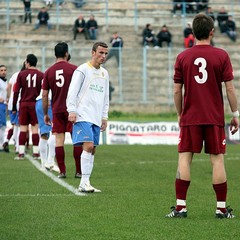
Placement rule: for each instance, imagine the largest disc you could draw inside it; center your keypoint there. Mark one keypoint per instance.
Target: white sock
(51, 150)
(2, 135)
(43, 150)
(86, 166)
(35, 150)
(21, 149)
(16, 137)
(92, 163)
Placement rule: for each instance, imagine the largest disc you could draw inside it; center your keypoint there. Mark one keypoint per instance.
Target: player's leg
(77, 151)
(22, 141)
(35, 141)
(215, 145)
(43, 148)
(191, 139)
(60, 153)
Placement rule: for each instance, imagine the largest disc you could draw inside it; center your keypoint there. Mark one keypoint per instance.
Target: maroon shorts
(27, 115)
(61, 123)
(191, 139)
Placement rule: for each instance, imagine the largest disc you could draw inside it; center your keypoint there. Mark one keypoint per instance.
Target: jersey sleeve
(74, 89)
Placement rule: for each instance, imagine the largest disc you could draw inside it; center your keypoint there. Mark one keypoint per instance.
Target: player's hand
(47, 120)
(104, 125)
(72, 117)
(234, 124)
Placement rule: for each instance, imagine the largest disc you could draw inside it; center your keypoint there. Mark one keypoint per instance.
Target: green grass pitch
(137, 184)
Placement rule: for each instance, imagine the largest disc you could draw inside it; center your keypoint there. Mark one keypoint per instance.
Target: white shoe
(97, 190)
(54, 167)
(86, 187)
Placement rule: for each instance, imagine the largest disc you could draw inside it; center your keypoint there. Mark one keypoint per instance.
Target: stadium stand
(144, 80)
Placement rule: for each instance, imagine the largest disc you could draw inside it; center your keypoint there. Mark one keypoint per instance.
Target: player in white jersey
(87, 105)
(3, 103)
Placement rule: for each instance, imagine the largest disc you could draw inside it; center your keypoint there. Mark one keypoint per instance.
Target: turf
(137, 184)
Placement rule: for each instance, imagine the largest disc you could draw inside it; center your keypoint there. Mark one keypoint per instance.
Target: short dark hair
(202, 26)
(2, 65)
(97, 44)
(61, 49)
(32, 60)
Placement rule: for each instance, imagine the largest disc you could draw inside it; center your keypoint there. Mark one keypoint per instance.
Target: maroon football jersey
(202, 69)
(57, 78)
(29, 82)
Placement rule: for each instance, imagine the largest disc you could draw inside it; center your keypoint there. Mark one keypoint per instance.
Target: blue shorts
(44, 128)
(85, 132)
(13, 117)
(3, 114)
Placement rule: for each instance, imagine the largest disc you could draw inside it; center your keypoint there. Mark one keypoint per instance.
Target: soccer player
(87, 105)
(29, 83)
(201, 70)
(57, 78)
(47, 139)
(12, 132)
(3, 102)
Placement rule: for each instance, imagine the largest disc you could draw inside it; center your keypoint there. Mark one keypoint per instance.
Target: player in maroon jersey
(29, 83)
(57, 78)
(201, 70)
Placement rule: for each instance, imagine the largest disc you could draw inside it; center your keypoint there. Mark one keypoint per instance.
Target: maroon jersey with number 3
(57, 78)
(202, 69)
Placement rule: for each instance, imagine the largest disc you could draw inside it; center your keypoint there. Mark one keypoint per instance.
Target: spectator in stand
(117, 43)
(222, 17)
(92, 27)
(49, 3)
(111, 90)
(164, 36)
(79, 3)
(188, 36)
(231, 28)
(80, 27)
(27, 11)
(210, 13)
(201, 5)
(149, 36)
(177, 6)
(43, 18)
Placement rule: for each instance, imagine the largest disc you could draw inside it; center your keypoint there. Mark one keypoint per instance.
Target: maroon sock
(10, 133)
(77, 151)
(22, 138)
(221, 193)
(35, 139)
(60, 157)
(181, 188)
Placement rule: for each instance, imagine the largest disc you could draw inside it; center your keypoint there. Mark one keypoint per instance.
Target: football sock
(60, 157)
(181, 188)
(221, 195)
(77, 151)
(43, 150)
(86, 166)
(35, 140)
(92, 162)
(2, 134)
(16, 137)
(9, 134)
(22, 141)
(51, 149)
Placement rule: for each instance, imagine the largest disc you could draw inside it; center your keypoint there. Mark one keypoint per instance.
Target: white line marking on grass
(54, 178)
(35, 195)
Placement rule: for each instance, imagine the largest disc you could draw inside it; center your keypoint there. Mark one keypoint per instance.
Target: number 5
(59, 78)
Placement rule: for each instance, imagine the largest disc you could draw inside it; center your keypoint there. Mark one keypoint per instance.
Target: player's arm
(73, 91)
(178, 98)
(45, 107)
(16, 89)
(232, 99)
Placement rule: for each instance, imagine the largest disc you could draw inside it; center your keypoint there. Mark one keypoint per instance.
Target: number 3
(59, 78)
(202, 69)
